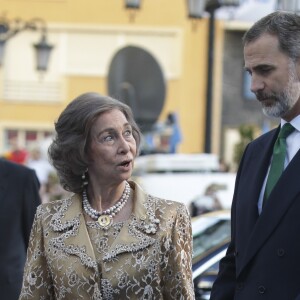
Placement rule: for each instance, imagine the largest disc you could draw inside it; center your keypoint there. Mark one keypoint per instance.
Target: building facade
(86, 34)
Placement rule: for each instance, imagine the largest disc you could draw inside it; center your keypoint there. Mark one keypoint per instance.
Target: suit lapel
(253, 173)
(73, 237)
(275, 208)
(139, 231)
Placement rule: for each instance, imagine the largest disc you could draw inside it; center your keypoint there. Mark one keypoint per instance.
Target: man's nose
(257, 84)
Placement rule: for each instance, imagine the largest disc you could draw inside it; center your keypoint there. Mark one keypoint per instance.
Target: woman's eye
(108, 138)
(128, 132)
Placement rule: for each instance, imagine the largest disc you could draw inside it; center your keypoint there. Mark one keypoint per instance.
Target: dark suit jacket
(263, 259)
(19, 198)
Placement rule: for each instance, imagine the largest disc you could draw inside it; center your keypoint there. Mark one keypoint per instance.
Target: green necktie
(279, 152)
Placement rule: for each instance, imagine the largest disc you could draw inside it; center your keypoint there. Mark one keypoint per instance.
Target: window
(23, 138)
(30, 136)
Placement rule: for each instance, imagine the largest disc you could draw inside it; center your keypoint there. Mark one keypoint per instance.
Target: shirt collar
(295, 122)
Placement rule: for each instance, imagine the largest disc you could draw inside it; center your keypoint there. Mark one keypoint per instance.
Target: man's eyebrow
(258, 67)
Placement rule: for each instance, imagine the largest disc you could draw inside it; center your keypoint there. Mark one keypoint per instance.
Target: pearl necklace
(105, 218)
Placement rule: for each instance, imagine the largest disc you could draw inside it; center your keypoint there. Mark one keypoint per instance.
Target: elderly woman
(109, 240)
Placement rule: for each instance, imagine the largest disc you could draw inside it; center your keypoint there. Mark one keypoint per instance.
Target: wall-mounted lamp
(9, 29)
(133, 4)
(288, 5)
(196, 9)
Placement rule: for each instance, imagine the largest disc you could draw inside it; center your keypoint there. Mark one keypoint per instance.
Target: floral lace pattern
(146, 257)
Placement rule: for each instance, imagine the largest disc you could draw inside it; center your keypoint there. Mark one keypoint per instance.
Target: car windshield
(209, 233)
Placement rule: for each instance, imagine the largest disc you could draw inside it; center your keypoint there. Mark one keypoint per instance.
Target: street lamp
(289, 5)
(196, 9)
(8, 29)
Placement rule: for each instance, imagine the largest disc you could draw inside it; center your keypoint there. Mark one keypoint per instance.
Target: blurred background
(177, 63)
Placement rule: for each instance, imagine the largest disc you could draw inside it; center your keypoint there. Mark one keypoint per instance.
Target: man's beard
(284, 100)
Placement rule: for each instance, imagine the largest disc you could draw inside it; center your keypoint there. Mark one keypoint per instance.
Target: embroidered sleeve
(37, 283)
(177, 281)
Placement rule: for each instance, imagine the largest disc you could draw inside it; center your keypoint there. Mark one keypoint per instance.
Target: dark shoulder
(264, 138)
(11, 167)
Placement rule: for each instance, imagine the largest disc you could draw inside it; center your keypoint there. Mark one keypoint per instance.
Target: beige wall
(185, 87)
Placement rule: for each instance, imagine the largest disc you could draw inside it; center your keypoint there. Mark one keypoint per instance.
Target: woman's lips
(125, 165)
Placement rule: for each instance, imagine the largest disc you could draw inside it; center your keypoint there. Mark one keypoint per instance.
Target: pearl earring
(84, 178)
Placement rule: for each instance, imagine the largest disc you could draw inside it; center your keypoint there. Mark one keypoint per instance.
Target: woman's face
(112, 148)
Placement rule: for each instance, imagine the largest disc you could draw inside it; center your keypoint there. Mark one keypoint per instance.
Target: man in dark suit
(263, 258)
(19, 198)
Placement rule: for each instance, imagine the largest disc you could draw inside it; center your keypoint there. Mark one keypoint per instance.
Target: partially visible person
(109, 240)
(262, 260)
(207, 202)
(175, 136)
(223, 166)
(16, 154)
(19, 198)
(43, 170)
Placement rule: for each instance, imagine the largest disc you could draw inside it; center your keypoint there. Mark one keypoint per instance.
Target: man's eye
(265, 70)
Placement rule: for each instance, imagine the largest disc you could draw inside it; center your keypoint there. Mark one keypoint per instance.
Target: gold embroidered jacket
(150, 258)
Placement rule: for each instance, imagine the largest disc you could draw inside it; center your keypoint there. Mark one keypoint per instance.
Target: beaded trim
(110, 212)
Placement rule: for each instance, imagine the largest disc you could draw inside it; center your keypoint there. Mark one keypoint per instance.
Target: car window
(214, 269)
(211, 236)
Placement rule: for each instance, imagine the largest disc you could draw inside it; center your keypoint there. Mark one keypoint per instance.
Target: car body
(211, 237)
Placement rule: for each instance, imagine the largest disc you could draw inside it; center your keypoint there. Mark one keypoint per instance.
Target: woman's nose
(124, 146)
